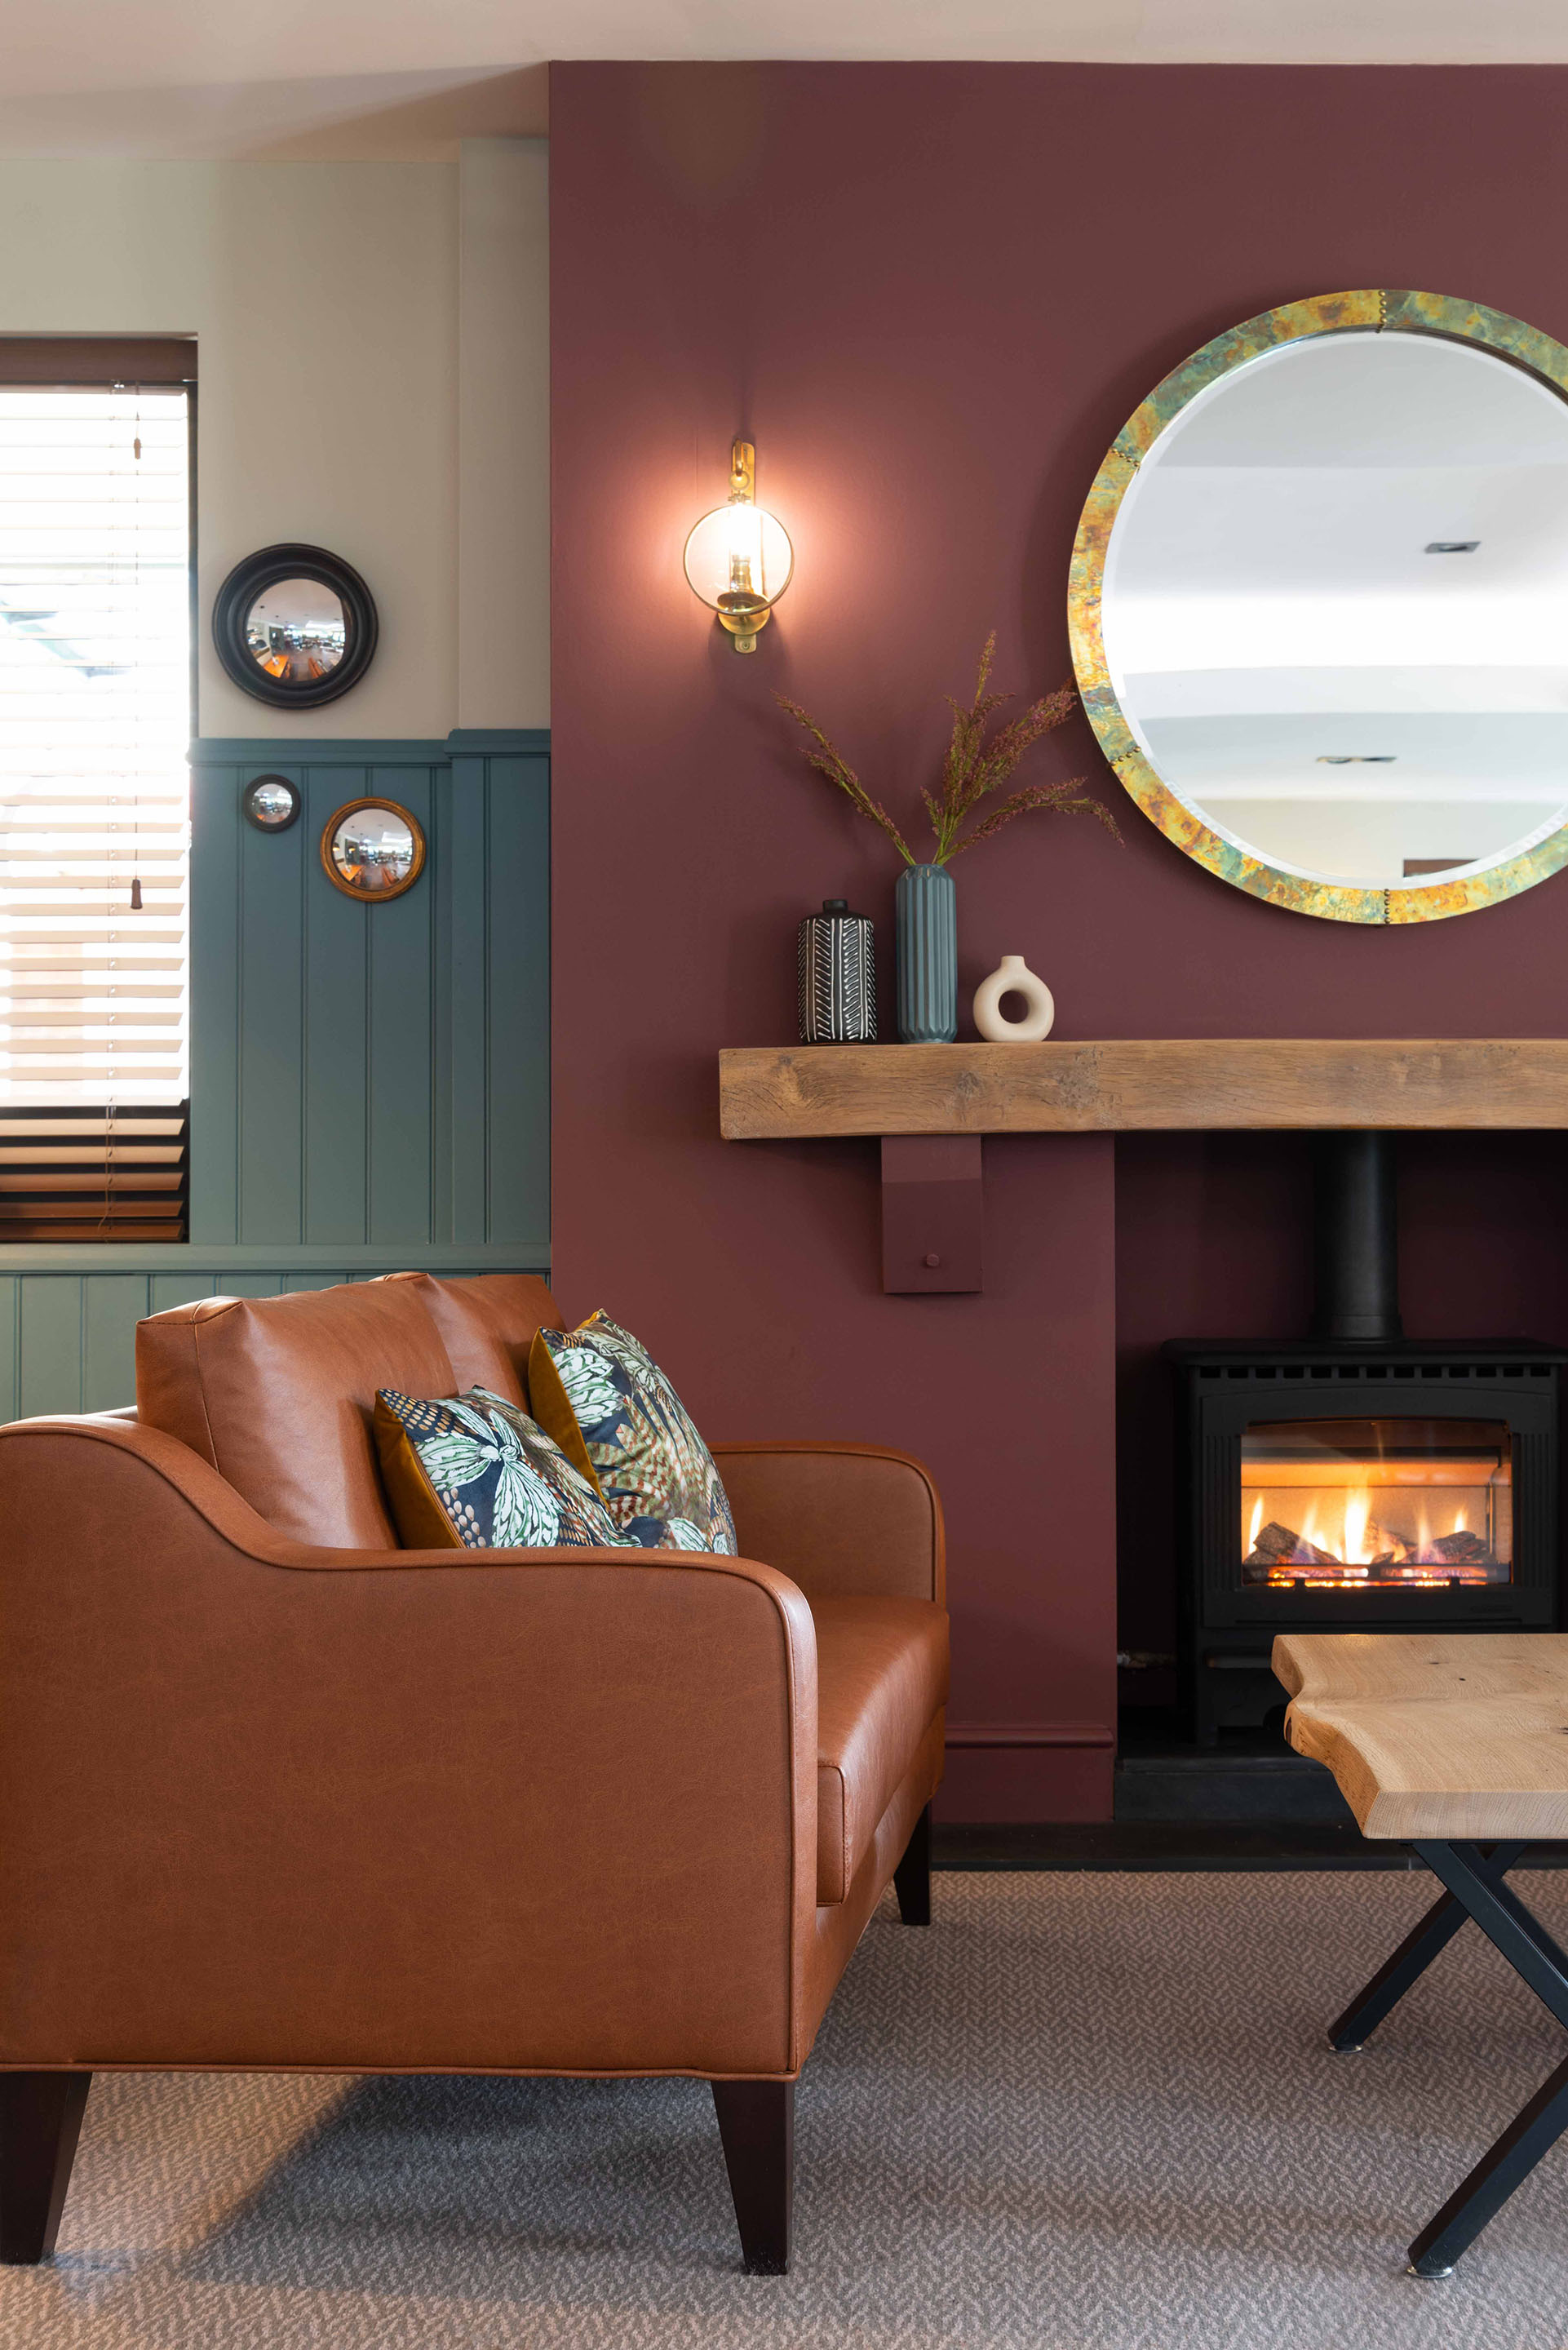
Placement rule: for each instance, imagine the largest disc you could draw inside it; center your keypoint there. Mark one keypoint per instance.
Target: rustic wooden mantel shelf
(785, 1093)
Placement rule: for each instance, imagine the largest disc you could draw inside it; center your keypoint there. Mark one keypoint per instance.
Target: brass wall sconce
(739, 557)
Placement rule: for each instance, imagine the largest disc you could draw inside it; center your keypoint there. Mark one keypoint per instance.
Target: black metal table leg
(1411, 1960)
(1500, 2170)
(1504, 1920)
(1476, 1883)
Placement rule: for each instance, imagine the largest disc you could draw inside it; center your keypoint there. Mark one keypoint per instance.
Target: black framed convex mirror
(271, 803)
(294, 626)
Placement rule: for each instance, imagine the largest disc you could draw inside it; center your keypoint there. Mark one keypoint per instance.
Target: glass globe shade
(739, 559)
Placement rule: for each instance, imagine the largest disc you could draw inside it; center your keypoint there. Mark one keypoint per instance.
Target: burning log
(1279, 1554)
(1462, 1550)
(1278, 1548)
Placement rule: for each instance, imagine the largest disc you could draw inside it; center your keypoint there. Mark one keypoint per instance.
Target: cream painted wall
(325, 298)
(503, 432)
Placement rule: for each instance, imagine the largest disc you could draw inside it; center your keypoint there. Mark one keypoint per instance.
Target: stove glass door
(1376, 1504)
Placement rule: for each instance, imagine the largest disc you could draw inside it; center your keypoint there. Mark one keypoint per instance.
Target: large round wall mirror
(294, 626)
(1319, 606)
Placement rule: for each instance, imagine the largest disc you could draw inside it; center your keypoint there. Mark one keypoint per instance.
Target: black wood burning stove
(1357, 1480)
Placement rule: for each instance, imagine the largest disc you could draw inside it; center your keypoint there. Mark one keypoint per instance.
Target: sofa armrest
(433, 1811)
(843, 1521)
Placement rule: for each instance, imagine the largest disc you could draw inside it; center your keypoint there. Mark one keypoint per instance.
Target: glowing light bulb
(744, 533)
(739, 559)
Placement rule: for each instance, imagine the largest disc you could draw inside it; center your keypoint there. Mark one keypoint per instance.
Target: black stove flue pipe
(1357, 1234)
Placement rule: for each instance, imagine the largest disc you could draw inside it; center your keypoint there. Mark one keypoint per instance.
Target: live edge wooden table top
(1449, 1737)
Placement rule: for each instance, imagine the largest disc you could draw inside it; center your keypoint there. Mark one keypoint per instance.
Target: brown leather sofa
(278, 1794)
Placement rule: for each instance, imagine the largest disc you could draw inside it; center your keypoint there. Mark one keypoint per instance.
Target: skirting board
(1023, 1784)
(1004, 1734)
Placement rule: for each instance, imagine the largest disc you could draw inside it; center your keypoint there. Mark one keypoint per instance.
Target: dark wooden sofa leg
(40, 2121)
(757, 2123)
(912, 1878)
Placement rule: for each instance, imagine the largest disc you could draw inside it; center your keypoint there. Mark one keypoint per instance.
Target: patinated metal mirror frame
(1321, 313)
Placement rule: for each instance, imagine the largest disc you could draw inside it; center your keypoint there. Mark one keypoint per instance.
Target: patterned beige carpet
(1082, 2112)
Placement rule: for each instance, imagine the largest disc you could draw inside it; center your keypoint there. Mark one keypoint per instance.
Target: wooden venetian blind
(78, 1174)
(95, 719)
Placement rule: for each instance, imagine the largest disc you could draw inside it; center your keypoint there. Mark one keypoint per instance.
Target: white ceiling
(402, 77)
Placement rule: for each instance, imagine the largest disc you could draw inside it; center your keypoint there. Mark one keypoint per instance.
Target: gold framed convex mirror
(372, 849)
(1319, 606)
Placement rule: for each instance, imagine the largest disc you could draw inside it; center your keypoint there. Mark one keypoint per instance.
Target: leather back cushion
(491, 1313)
(277, 1393)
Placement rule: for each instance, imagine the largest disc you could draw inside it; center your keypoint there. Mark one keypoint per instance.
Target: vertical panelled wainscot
(369, 1084)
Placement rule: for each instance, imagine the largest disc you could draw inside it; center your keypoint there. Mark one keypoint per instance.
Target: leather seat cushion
(882, 1676)
(277, 1393)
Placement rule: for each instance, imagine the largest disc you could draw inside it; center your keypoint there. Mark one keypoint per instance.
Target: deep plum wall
(931, 294)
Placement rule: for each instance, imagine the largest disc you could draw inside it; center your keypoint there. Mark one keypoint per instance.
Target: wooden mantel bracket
(933, 1212)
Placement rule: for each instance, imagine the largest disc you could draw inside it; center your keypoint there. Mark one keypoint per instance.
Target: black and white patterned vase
(836, 961)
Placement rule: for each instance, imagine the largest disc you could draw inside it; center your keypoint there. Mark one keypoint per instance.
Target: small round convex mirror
(373, 849)
(271, 803)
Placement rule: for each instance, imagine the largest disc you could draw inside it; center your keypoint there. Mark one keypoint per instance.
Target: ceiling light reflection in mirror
(1335, 609)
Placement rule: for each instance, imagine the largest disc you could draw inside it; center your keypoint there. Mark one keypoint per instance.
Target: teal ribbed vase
(926, 910)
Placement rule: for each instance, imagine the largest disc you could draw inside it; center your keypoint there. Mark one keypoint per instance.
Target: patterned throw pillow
(599, 1387)
(473, 1473)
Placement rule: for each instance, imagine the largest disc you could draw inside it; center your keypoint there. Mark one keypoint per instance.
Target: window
(95, 718)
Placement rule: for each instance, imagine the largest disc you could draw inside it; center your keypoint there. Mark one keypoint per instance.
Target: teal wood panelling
(67, 1340)
(369, 1084)
(373, 1075)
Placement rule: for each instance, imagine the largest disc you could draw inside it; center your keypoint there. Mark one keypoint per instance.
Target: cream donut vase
(1012, 976)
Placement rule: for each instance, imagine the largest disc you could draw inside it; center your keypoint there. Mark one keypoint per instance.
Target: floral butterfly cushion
(472, 1472)
(599, 1393)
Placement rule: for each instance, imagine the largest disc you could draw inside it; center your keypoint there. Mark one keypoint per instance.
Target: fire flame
(1359, 1550)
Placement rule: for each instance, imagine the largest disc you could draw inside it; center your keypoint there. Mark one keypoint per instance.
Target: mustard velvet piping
(548, 1404)
(422, 1524)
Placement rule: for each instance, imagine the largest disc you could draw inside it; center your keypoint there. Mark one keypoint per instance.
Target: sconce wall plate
(294, 626)
(271, 803)
(738, 558)
(372, 849)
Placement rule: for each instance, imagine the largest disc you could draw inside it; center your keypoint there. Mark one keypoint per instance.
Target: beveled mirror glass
(1320, 607)
(296, 631)
(373, 849)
